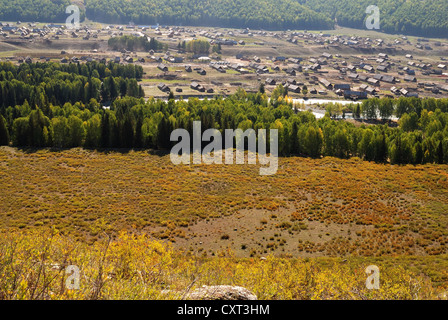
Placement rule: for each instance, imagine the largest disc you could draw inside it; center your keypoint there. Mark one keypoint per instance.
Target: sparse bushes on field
(33, 266)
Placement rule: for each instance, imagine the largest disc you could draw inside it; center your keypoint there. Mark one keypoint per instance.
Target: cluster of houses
(24, 32)
(199, 87)
(356, 77)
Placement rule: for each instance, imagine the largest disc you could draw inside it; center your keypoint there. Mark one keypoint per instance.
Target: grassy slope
(392, 216)
(380, 209)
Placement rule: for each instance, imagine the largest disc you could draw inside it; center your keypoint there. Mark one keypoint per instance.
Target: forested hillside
(34, 10)
(416, 17)
(264, 14)
(56, 105)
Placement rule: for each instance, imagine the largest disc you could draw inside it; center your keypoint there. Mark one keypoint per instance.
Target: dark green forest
(413, 17)
(133, 43)
(261, 14)
(34, 114)
(53, 83)
(35, 10)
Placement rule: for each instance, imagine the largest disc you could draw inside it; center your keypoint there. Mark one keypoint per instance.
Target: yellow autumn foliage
(33, 264)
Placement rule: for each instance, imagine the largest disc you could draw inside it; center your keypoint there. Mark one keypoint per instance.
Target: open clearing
(311, 207)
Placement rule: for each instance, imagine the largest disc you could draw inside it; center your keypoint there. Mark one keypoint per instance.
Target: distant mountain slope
(261, 14)
(34, 10)
(413, 17)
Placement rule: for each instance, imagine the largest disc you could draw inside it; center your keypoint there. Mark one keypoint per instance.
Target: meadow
(316, 210)
(33, 266)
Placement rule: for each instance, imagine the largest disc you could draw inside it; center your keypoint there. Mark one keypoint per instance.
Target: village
(342, 64)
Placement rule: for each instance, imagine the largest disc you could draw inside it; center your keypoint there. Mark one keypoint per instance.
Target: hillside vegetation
(57, 105)
(33, 266)
(414, 17)
(385, 209)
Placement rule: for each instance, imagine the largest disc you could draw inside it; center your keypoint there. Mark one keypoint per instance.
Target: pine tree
(105, 130)
(4, 134)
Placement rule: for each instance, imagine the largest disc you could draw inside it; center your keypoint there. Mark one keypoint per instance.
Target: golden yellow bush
(32, 266)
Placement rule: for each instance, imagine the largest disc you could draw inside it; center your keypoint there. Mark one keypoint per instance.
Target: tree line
(43, 84)
(421, 136)
(35, 10)
(257, 14)
(134, 43)
(413, 17)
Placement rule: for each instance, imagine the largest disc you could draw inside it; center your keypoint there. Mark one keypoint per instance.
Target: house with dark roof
(373, 81)
(325, 83)
(410, 78)
(341, 86)
(291, 71)
(348, 94)
(293, 88)
(162, 67)
(381, 68)
(388, 79)
(163, 87)
(270, 81)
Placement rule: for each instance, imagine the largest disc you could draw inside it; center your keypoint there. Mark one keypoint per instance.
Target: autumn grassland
(326, 210)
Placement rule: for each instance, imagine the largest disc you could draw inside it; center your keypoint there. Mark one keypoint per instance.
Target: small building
(162, 67)
(196, 86)
(410, 78)
(370, 90)
(291, 71)
(325, 83)
(404, 92)
(362, 77)
(363, 87)
(176, 59)
(381, 68)
(270, 81)
(388, 79)
(373, 81)
(163, 87)
(368, 68)
(294, 88)
(355, 94)
(341, 86)
(378, 76)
